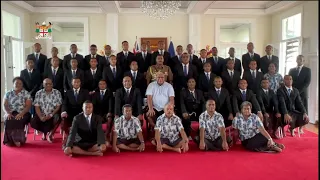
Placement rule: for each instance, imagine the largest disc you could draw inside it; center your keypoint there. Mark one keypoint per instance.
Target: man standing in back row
(246, 58)
(267, 59)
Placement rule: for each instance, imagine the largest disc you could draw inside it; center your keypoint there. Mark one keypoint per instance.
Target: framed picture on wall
(152, 43)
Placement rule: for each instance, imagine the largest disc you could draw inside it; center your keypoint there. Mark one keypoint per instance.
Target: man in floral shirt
(127, 132)
(47, 105)
(169, 132)
(212, 130)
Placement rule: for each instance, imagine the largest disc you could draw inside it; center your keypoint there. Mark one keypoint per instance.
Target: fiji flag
(136, 48)
(171, 49)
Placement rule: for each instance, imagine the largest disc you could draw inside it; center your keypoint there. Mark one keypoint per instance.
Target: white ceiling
(187, 7)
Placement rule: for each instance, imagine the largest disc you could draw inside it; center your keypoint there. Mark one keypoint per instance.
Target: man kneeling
(168, 129)
(86, 136)
(126, 130)
(212, 130)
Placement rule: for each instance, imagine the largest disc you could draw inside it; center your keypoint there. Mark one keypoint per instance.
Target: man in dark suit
(291, 107)
(301, 76)
(202, 60)
(246, 58)
(72, 55)
(138, 80)
(92, 77)
(230, 77)
(218, 62)
(88, 126)
(38, 58)
(190, 52)
(54, 54)
(253, 77)
(125, 57)
(268, 102)
(31, 78)
(128, 95)
(192, 105)
(237, 62)
(113, 75)
(267, 59)
(176, 60)
(73, 72)
(144, 59)
(56, 74)
(205, 81)
(93, 55)
(105, 60)
(222, 99)
(72, 103)
(166, 55)
(243, 94)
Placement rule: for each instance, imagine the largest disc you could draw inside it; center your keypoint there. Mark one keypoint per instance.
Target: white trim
(84, 20)
(117, 5)
(191, 6)
(70, 10)
(281, 5)
(139, 11)
(236, 11)
(220, 21)
(23, 5)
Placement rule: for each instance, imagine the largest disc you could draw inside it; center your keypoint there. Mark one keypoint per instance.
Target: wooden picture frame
(152, 43)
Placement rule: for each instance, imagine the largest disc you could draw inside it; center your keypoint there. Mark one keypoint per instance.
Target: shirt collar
(127, 89)
(74, 70)
(206, 112)
(30, 71)
(252, 70)
(194, 91)
(232, 58)
(251, 53)
(88, 116)
(217, 89)
(124, 52)
(113, 67)
(55, 68)
(265, 90)
(288, 88)
(134, 72)
(185, 64)
(75, 54)
(207, 73)
(300, 66)
(76, 89)
(104, 91)
(229, 71)
(243, 90)
(35, 53)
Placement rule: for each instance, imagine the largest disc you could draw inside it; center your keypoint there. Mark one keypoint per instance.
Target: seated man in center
(169, 132)
(127, 132)
(212, 130)
(86, 136)
(192, 104)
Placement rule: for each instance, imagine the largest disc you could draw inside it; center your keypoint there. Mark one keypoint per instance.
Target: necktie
(192, 93)
(243, 95)
(216, 60)
(134, 76)
(185, 70)
(88, 121)
(54, 75)
(93, 73)
(208, 77)
(30, 73)
(190, 58)
(114, 72)
(269, 57)
(73, 56)
(231, 75)
(289, 92)
(76, 95)
(37, 57)
(161, 52)
(251, 56)
(107, 58)
(253, 75)
(203, 61)
(179, 57)
(298, 69)
(73, 73)
(218, 92)
(128, 93)
(144, 55)
(126, 55)
(101, 95)
(266, 92)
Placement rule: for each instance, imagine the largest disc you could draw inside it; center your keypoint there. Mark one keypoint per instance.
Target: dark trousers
(187, 123)
(304, 99)
(272, 123)
(297, 120)
(215, 145)
(256, 143)
(45, 126)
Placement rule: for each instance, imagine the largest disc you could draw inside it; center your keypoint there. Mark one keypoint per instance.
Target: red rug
(39, 160)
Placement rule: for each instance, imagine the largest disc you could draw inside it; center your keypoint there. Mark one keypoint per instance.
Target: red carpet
(39, 160)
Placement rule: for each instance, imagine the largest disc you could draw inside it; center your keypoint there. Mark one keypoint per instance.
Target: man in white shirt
(88, 127)
(159, 93)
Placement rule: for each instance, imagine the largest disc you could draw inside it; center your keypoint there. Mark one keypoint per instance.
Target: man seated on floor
(159, 93)
(291, 107)
(47, 105)
(212, 130)
(127, 134)
(192, 104)
(169, 132)
(86, 136)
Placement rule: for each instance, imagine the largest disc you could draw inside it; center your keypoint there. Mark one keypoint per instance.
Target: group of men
(84, 92)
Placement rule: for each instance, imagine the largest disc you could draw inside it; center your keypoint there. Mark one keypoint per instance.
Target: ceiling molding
(117, 3)
(23, 5)
(139, 11)
(71, 10)
(191, 6)
(280, 6)
(236, 11)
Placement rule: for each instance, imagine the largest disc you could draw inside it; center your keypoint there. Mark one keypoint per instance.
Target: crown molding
(281, 5)
(24, 5)
(236, 11)
(71, 10)
(139, 11)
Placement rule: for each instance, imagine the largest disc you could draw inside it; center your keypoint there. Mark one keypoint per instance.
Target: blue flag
(171, 49)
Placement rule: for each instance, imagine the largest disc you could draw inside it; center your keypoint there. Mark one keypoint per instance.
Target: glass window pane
(17, 56)
(11, 25)
(235, 33)
(291, 27)
(67, 32)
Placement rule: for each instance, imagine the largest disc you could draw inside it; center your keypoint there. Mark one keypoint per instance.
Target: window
(291, 27)
(12, 25)
(290, 46)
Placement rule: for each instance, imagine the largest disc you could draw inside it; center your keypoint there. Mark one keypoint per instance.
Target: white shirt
(35, 54)
(88, 118)
(251, 54)
(269, 56)
(265, 90)
(111, 67)
(230, 71)
(75, 71)
(134, 72)
(160, 94)
(217, 89)
(300, 68)
(144, 54)
(187, 67)
(203, 60)
(243, 91)
(93, 55)
(74, 90)
(161, 51)
(104, 91)
(127, 89)
(289, 88)
(30, 71)
(233, 58)
(93, 70)
(73, 56)
(207, 74)
(52, 68)
(253, 71)
(124, 52)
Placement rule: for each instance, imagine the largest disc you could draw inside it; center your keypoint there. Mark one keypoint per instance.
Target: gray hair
(166, 106)
(245, 104)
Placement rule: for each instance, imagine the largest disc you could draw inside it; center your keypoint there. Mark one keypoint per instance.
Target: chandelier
(160, 9)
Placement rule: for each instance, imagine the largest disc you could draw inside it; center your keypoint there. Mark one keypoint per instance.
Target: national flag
(171, 49)
(136, 48)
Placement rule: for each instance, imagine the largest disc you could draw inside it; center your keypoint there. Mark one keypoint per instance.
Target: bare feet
(276, 148)
(292, 133)
(97, 153)
(177, 150)
(18, 144)
(281, 146)
(153, 142)
(301, 130)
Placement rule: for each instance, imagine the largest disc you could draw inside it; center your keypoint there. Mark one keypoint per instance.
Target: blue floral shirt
(47, 101)
(211, 125)
(127, 129)
(169, 128)
(274, 80)
(247, 128)
(17, 102)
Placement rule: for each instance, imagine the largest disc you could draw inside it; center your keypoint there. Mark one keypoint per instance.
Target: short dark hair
(93, 45)
(76, 77)
(252, 61)
(87, 102)
(242, 80)
(113, 56)
(28, 59)
(217, 77)
(17, 78)
(230, 60)
(134, 61)
(73, 45)
(159, 55)
(124, 42)
(94, 59)
(179, 46)
(214, 48)
(203, 50)
(126, 106)
(191, 78)
(103, 80)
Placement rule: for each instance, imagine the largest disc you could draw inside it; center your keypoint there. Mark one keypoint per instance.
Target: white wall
(72, 34)
(140, 25)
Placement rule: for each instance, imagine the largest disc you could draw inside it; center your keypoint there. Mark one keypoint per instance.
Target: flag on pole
(171, 49)
(136, 48)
